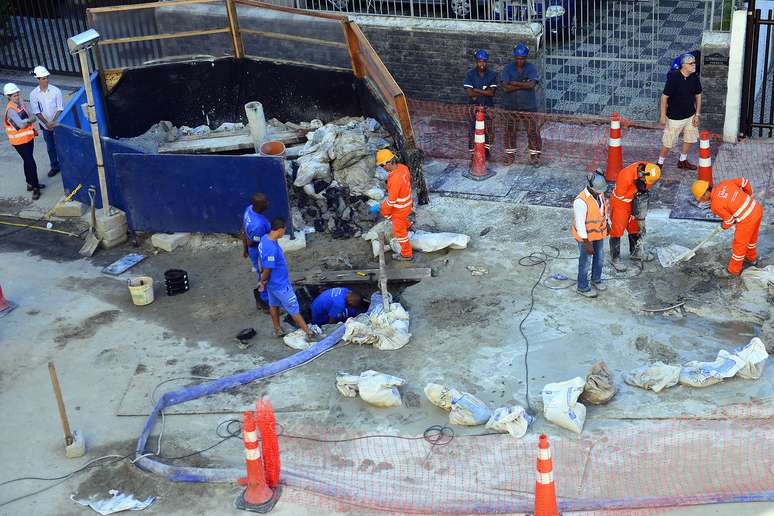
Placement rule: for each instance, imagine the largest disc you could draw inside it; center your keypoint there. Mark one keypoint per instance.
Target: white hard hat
(40, 72)
(10, 88)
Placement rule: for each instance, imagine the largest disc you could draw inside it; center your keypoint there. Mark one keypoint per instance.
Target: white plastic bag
(427, 242)
(560, 404)
(296, 340)
(382, 330)
(754, 356)
(379, 389)
(440, 395)
(347, 384)
(311, 167)
(513, 420)
(656, 377)
(467, 410)
(704, 374)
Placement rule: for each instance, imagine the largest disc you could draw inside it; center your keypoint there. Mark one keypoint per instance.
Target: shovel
(671, 256)
(91, 243)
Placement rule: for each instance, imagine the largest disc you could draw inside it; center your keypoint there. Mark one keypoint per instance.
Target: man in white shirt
(590, 229)
(46, 104)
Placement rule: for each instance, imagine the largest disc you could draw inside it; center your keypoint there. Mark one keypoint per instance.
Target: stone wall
(715, 48)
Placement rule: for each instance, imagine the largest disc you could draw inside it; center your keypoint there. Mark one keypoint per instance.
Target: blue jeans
(596, 265)
(48, 136)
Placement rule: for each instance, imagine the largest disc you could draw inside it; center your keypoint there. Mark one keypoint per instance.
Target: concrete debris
(117, 503)
(560, 404)
(513, 420)
(383, 330)
(476, 270)
(655, 377)
(297, 243)
(599, 388)
(375, 388)
(169, 241)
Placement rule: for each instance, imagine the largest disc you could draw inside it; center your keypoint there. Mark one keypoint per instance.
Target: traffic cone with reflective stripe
(614, 153)
(5, 305)
(478, 167)
(545, 494)
(705, 160)
(257, 496)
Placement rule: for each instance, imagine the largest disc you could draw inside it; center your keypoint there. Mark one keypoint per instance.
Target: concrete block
(296, 244)
(70, 209)
(169, 241)
(115, 219)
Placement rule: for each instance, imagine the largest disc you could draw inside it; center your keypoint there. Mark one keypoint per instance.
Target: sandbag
(704, 374)
(358, 176)
(656, 377)
(346, 384)
(379, 389)
(467, 410)
(427, 242)
(312, 167)
(296, 339)
(560, 404)
(513, 420)
(440, 395)
(350, 148)
(754, 356)
(383, 330)
(599, 388)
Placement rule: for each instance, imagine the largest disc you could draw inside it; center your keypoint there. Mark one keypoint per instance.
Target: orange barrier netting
(638, 467)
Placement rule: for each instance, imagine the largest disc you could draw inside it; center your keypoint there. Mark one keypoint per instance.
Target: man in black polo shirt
(480, 86)
(680, 110)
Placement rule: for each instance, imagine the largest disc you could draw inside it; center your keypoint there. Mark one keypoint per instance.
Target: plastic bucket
(141, 290)
(272, 149)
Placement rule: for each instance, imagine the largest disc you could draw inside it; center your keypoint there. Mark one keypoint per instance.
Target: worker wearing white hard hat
(19, 125)
(47, 104)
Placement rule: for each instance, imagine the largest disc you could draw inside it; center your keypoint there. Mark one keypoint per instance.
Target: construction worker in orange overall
(398, 205)
(733, 202)
(628, 207)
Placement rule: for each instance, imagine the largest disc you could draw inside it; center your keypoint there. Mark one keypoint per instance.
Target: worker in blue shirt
(335, 305)
(519, 80)
(275, 280)
(254, 226)
(480, 87)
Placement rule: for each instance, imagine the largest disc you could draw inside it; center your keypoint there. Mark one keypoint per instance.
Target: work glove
(374, 210)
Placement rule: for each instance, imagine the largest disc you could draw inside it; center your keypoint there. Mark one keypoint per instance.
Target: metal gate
(602, 56)
(35, 32)
(757, 117)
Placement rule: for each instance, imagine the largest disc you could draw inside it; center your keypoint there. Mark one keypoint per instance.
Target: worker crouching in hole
(336, 305)
(590, 228)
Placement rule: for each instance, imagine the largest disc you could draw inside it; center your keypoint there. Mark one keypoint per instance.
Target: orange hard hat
(699, 188)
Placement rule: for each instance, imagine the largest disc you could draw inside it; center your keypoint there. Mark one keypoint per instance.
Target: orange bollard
(545, 494)
(5, 305)
(478, 168)
(257, 496)
(614, 152)
(704, 172)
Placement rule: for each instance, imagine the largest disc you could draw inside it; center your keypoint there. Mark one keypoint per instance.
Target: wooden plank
(360, 276)
(226, 141)
(154, 37)
(149, 5)
(292, 10)
(291, 37)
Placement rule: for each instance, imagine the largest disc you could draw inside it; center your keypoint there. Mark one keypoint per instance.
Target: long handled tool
(669, 261)
(92, 241)
(74, 443)
(386, 299)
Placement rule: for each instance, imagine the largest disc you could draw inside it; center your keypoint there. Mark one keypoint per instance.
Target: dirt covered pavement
(114, 358)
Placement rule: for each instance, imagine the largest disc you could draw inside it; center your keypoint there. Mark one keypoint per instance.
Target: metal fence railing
(717, 14)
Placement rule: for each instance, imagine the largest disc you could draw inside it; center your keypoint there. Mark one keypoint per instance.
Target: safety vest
(596, 218)
(17, 136)
(399, 201)
(732, 200)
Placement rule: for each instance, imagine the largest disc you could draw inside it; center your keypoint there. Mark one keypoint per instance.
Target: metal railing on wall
(717, 14)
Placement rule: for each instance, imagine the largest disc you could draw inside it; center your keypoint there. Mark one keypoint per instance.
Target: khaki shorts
(675, 127)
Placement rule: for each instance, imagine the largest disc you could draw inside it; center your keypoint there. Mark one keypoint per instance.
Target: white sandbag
(560, 404)
(656, 377)
(704, 374)
(513, 420)
(383, 330)
(440, 395)
(754, 356)
(384, 226)
(347, 384)
(311, 167)
(321, 140)
(379, 389)
(358, 177)
(427, 242)
(296, 340)
(350, 148)
(467, 410)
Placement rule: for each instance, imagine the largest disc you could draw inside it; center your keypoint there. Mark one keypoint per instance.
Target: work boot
(686, 165)
(587, 293)
(399, 257)
(638, 253)
(726, 274)
(53, 172)
(510, 157)
(599, 287)
(35, 194)
(615, 255)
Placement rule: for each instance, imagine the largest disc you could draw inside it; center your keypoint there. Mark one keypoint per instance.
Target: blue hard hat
(482, 55)
(520, 50)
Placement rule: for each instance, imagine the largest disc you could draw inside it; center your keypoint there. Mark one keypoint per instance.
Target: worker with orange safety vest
(628, 207)
(590, 228)
(398, 205)
(20, 128)
(732, 200)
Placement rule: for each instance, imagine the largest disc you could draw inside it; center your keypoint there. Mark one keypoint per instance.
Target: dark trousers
(48, 136)
(523, 121)
(30, 169)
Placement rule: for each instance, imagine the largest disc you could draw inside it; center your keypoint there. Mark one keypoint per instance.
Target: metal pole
(95, 133)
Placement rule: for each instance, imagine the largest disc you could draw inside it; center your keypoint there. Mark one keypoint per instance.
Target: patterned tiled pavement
(648, 30)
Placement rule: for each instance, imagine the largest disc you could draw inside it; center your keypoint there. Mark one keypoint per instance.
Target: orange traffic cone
(545, 494)
(614, 153)
(705, 161)
(257, 496)
(478, 169)
(5, 305)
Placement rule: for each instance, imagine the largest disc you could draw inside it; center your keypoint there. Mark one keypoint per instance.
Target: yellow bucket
(142, 290)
